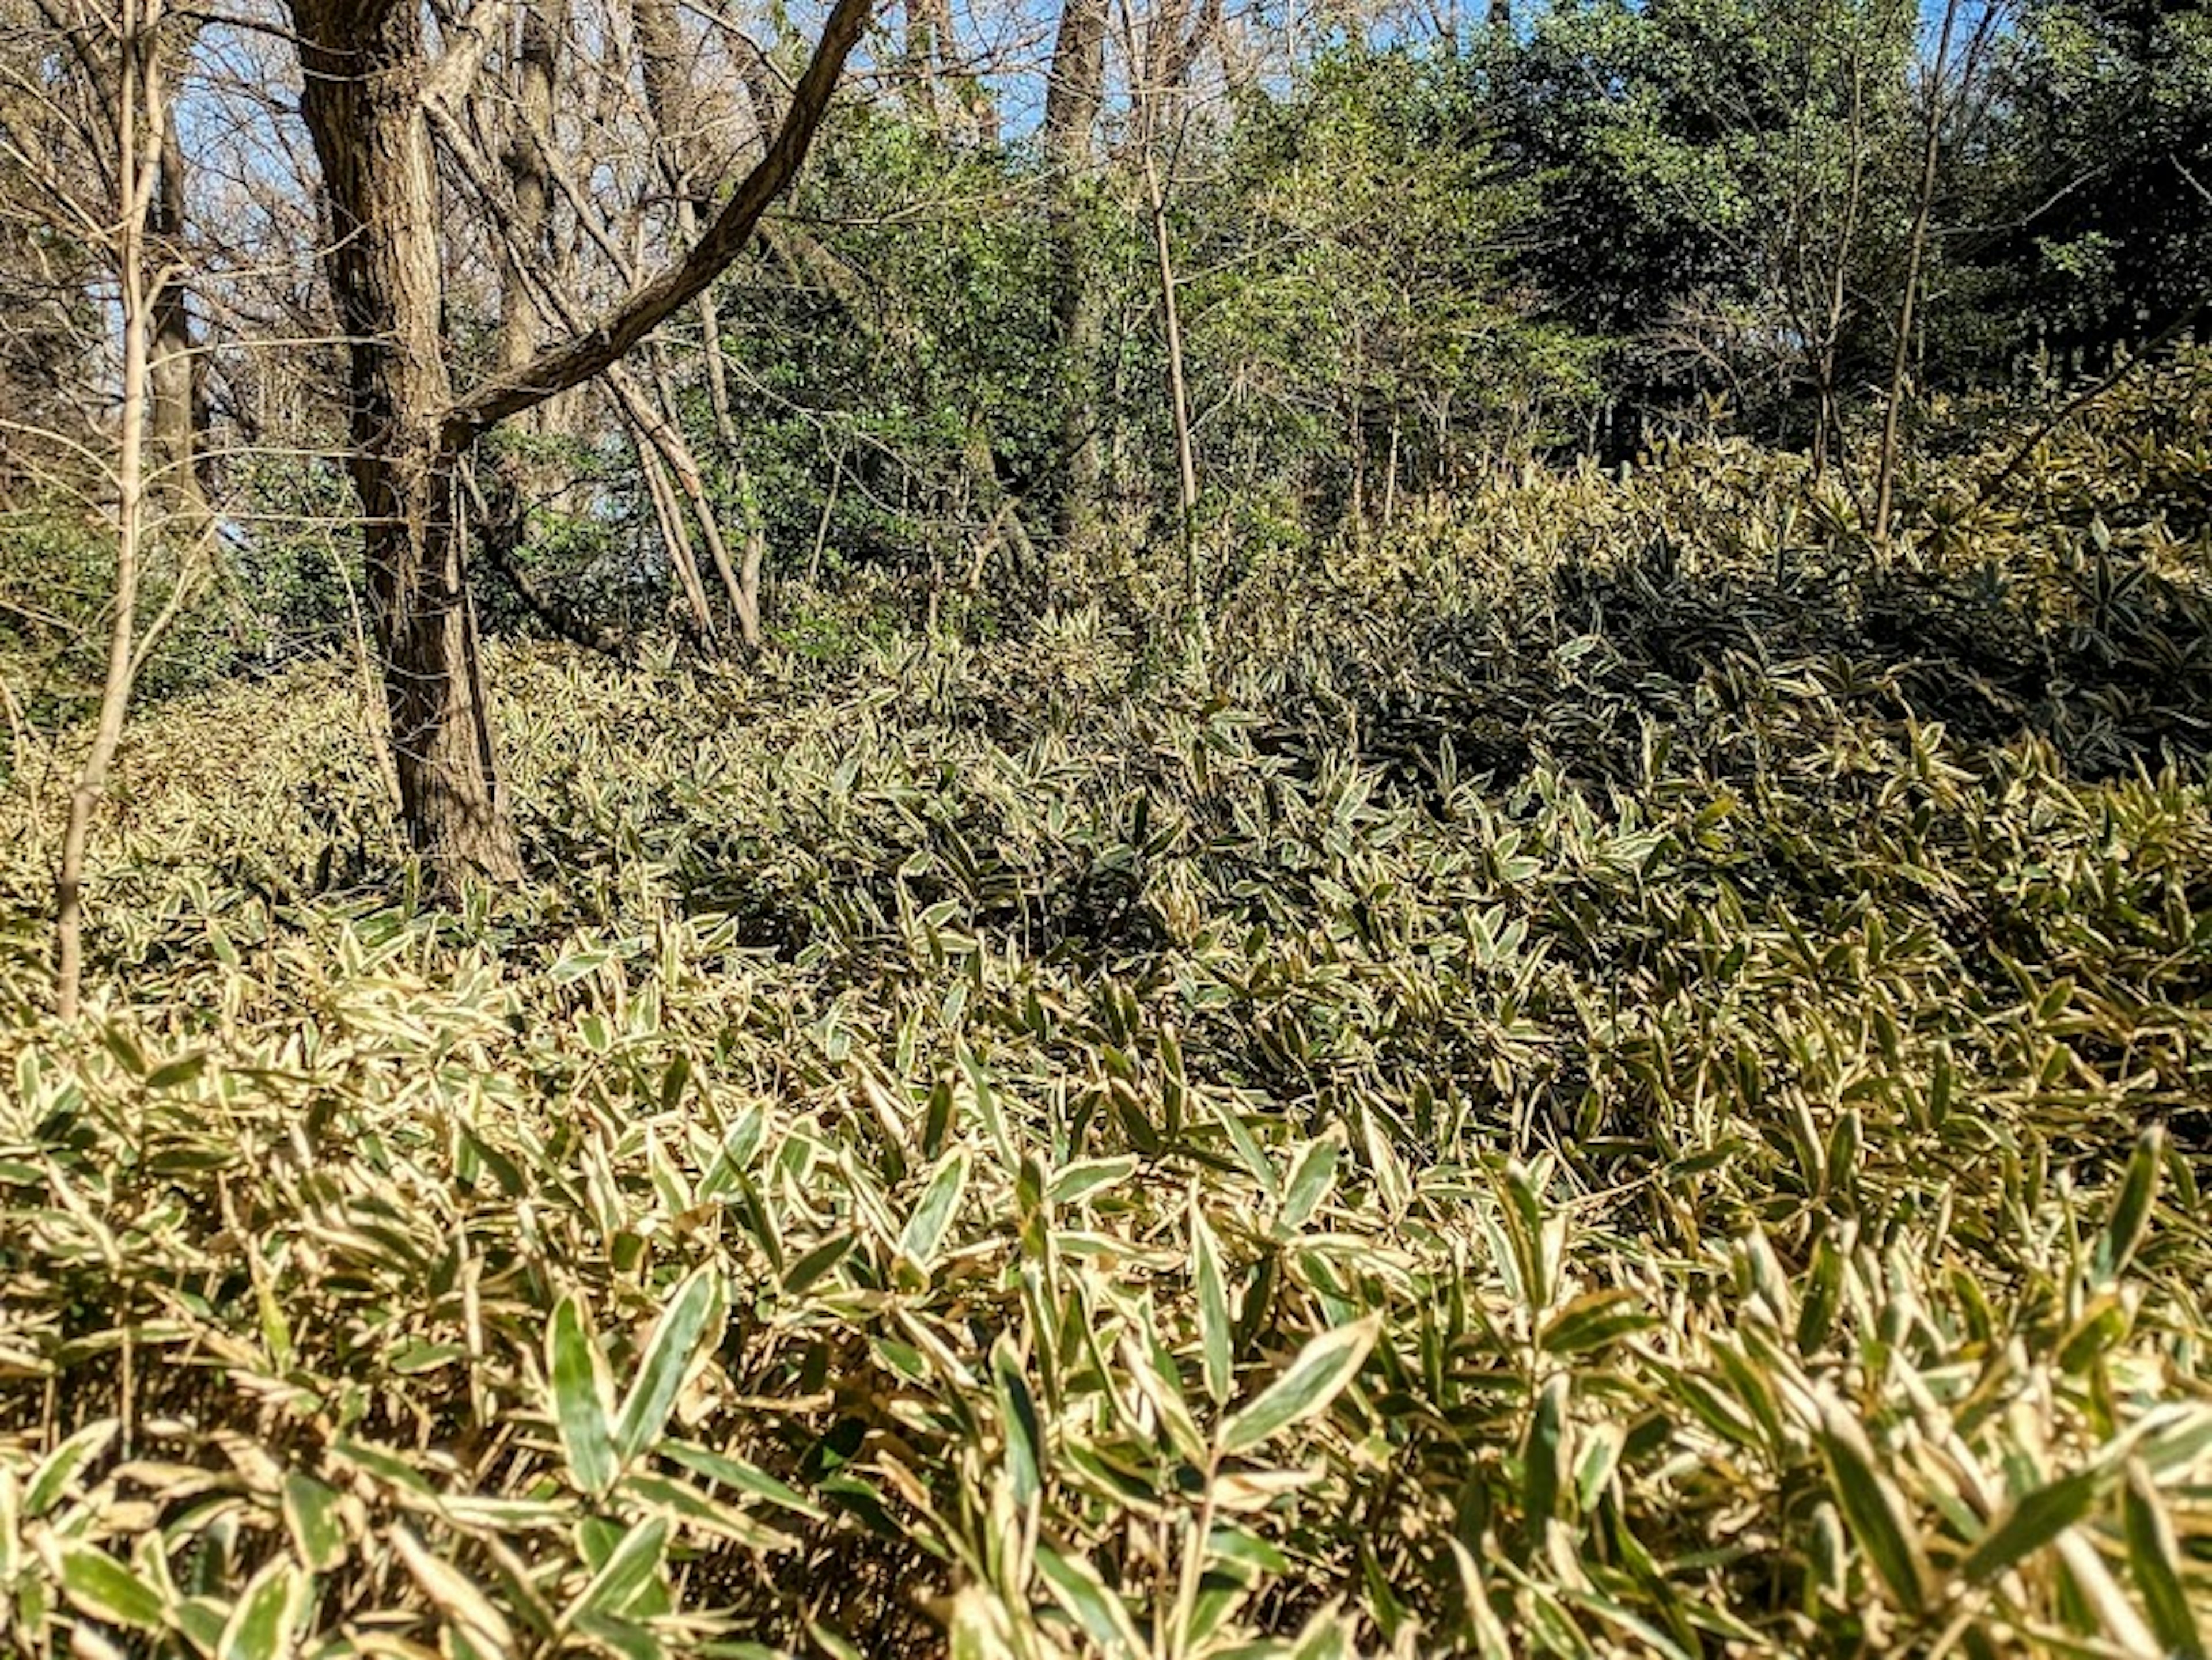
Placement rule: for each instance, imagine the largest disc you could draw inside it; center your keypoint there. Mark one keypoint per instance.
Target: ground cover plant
(1605, 1074)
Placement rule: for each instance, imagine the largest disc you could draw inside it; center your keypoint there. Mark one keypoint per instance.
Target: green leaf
(625, 1640)
(385, 1466)
(2131, 1208)
(310, 1517)
(1873, 1509)
(629, 1570)
(1316, 1377)
(96, 1582)
(2178, 1442)
(1018, 1412)
(802, 1274)
(1594, 1319)
(268, 1611)
(1151, 1366)
(673, 1080)
(1256, 1164)
(472, 1616)
(1076, 1586)
(685, 1327)
(581, 1393)
(1328, 1636)
(174, 1073)
(58, 1472)
(124, 1047)
(201, 1620)
(1543, 1457)
(1311, 1177)
(978, 1626)
(685, 1506)
(925, 1229)
(1215, 1331)
(734, 1472)
(1072, 1183)
(2155, 1558)
(2038, 1517)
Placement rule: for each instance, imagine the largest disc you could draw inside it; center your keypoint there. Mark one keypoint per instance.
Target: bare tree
(1917, 243)
(135, 86)
(370, 78)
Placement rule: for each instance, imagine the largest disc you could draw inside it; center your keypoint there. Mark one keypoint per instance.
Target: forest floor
(1607, 1074)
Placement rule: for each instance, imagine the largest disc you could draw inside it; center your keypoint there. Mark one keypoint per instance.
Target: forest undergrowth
(1604, 1073)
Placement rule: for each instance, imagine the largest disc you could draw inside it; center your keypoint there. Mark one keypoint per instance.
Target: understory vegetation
(1605, 1072)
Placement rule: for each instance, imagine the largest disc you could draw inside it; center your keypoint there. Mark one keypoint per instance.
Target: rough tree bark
(367, 80)
(363, 63)
(176, 414)
(1072, 101)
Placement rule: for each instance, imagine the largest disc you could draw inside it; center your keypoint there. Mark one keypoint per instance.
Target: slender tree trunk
(1178, 389)
(523, 244)
(137, 116)
(928, 26)
(1838, 292)
(670, 101)
(675, 537)
(176, 412)
(1931, 155)
(362, 60)
(525, 254)
(1072, 101)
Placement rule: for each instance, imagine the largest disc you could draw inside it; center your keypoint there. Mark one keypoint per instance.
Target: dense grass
(1594, 1079)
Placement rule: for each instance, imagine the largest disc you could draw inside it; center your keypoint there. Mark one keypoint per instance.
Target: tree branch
(467, 41)
(587, 354)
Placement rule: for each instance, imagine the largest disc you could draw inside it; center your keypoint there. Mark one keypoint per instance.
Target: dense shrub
(1592, 1079)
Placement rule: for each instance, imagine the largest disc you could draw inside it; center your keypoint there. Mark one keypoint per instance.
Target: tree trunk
(362, 61)
(137, 97)
(1071, 114)
(366, 97)
(175, 411)
(524, 244)
(1178, 389)
(1915, 254)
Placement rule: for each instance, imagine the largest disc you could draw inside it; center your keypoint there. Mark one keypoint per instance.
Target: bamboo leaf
(96, 1582)
(2038, 1517)
(454, 1593)
(802, 1274)
(688, 1324)
(629, 1570)
(1017, 1412)
(1544, 1458)
(1872, 1508)
(1312, 1174)
(1215, 1330)
(58, 1472)
(925, 1229)
(581, 1391)
(1313, 1378)
(2155, 1558)
(262, 1624)
(1076, 1586)
(2124, 1229)
(310, 1517)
